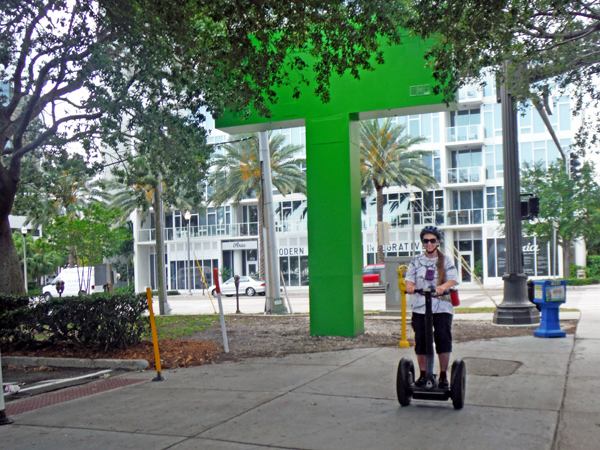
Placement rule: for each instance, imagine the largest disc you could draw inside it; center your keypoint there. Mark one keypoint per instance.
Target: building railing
(230, 230)
(464, 133)
(465, 217)
(470, 94)
(289, 226)
(403, 220)
(466, 175)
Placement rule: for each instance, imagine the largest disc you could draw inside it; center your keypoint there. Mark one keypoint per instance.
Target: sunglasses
(427, 241)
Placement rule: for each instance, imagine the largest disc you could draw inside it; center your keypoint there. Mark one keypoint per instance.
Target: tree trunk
(261, 244)
(379, 190)
(566, 248)
(160, 245)
(11, 277)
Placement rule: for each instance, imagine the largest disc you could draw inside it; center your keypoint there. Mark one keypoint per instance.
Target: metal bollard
(402, 286)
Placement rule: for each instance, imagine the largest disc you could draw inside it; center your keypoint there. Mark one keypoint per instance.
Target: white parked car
(248, 285)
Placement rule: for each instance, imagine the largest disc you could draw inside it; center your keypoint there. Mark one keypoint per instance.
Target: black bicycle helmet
(429, 229)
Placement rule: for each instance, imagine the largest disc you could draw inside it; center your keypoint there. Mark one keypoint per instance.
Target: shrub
(155, 293)
(95, 321)
(13, 316)
(593, 262)
(579, 282)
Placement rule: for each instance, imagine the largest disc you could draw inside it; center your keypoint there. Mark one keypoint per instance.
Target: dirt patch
(266, 336)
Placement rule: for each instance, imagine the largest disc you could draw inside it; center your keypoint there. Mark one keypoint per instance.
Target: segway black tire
(458, 384)
(404, 381)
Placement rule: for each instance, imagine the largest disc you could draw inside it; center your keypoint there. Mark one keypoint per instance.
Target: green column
(334, 226)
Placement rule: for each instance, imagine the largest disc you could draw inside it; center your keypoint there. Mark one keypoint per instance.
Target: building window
(494, 163)
(494, 202)
(434, 161)
(425, 125)
(290, 216)
(540, 153)
(218, 149)
(467, 208)
(466, 166)
(433, 202)
(537, 257)
(465, 117)
(530, 120)
(294, 270)
(249, 225)
(492, 120)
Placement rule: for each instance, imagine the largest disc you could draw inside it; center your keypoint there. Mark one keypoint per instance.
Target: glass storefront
(537, 257)
(294, 269)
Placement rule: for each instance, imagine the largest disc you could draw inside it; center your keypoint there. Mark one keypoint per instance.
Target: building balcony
(468, 97)
(287, 226)
(465, 217)
(466, 175)
(403, 220)
(465, 136)
(225, 230)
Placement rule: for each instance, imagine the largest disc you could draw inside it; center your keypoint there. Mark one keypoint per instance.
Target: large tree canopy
(87, 69)
(555, 41)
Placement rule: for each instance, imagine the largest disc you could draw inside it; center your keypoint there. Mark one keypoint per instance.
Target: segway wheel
(404, 381)
(458, 384)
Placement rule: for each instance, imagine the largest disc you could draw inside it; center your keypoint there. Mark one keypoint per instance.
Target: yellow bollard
(402, 286)
(159, 377)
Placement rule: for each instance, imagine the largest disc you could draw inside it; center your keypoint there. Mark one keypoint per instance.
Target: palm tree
(237, 176)
(386, 158)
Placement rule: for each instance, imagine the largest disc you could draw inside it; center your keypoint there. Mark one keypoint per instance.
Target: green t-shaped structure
(401, 86)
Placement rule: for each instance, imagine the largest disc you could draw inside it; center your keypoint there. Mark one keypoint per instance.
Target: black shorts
(442, 333)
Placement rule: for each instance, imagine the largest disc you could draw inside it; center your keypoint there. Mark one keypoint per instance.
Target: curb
(125, 364)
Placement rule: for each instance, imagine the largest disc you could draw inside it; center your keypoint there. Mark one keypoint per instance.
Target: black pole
(515, 308)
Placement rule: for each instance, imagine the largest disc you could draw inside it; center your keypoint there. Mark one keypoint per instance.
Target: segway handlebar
(433, 293)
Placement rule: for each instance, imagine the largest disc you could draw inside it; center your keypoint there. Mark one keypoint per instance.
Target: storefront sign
(395, 247)
(240, 245)
(535, 257)
(292, 251)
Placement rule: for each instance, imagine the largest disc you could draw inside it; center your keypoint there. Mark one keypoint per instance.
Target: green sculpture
(401, 86)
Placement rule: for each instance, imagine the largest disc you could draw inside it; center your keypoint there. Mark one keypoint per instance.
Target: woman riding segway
(432, 270)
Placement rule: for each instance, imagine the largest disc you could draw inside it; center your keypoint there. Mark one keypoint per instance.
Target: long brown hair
(441, 267)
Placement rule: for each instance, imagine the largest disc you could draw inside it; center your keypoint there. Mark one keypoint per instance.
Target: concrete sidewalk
(522, 393)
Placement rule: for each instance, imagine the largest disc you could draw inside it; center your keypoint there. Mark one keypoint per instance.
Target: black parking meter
(60, 287)
(236, 281)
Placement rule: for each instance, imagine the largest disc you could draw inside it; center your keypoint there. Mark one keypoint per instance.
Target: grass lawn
(173, 327)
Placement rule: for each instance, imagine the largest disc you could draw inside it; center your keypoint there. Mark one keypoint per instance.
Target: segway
(405, 378)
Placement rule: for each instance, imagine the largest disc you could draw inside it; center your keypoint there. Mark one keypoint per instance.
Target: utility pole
(275, 304)
(411, 200)
(188, 216)
(24, 233)
(515, 309)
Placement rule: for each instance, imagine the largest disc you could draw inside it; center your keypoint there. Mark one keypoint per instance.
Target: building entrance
(465, 267)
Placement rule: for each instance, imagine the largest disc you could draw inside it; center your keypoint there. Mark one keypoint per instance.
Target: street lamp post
(24, 233)
(188, 216)
(515, 309)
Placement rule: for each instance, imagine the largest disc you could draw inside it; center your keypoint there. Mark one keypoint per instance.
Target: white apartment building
(467, 163)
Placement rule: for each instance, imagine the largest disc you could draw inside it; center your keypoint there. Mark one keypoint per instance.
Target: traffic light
(530, 207)
(574, 167)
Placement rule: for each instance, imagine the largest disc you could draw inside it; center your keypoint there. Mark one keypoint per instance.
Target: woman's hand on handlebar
(440, 290)
(410, 287)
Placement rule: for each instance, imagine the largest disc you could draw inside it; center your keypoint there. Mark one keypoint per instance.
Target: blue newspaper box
(549, 295)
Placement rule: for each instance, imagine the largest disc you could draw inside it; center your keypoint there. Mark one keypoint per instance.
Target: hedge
(578, 281)
(102, 321)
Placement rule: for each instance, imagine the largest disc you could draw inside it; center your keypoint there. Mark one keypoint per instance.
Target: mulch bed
(173, 353)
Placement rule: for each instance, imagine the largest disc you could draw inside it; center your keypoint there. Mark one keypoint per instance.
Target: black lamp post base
(516, 315)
